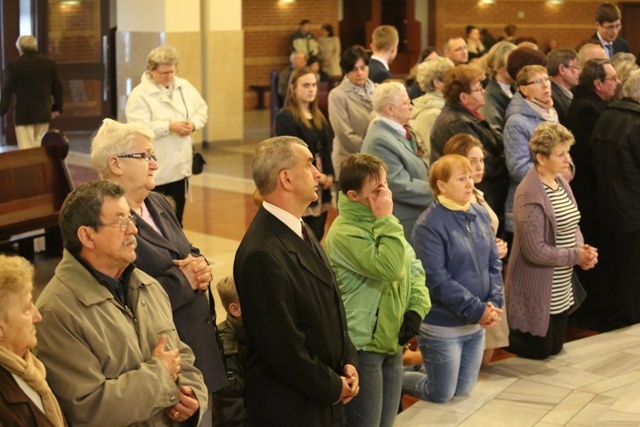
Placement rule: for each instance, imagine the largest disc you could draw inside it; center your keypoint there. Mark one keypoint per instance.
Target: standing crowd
(465, 198)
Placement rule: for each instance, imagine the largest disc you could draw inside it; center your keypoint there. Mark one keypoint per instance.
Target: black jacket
(296, 328)
(619, 44)
(616, 159)
(455, 119)
(33, 79)
(583, 114)
(561, 102)
(377, 72)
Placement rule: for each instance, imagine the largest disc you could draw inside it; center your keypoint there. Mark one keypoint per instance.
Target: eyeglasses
(612, 27)
(538, 81)
(143, 156)
(613, 79)
(575, 67)
(481, 89)
(122, 223)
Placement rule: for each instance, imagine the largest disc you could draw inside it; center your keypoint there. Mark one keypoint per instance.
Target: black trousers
(177, 190)
(523, 344)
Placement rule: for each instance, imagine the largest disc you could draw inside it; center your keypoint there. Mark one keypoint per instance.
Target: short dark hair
(304, 22)
(357, 168)
(562, 56)
(351, 56)
(83, 207)
(328, 28)
(510, 29)
(607, 12)
(592, 70)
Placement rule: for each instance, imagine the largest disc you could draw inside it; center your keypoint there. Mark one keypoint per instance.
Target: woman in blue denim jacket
(454, 240)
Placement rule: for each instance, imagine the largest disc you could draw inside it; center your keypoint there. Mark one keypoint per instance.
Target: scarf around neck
(33, 372)
(451, 205)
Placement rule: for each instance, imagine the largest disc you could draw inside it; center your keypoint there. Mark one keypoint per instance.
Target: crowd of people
(465, 199)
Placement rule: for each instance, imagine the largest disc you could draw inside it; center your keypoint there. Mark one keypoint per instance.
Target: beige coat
(349, 115)
(98, 357)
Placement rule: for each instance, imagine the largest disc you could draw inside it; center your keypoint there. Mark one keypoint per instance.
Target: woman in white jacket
(172, 108)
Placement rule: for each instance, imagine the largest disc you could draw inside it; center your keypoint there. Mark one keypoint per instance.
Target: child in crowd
(228, 403)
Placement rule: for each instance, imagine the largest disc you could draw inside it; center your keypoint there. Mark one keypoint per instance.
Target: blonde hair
(227, 291)
(163, 54)
(16, 278)
(522, 79)
(546, 136)
(384, 37)
(442, 169)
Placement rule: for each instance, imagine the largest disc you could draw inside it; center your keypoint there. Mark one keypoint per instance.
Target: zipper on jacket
(129, 313)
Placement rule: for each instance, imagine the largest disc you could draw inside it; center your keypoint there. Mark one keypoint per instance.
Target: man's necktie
(609, 48)
(307, 237)
(413, 141)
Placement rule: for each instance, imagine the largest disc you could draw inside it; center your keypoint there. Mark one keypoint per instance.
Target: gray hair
(431, 70)
(562, 56)
(631, 87)
(27, 43)
(272, 156)
(164, 54)
(387, 93)
(83, 207)
(112, 139)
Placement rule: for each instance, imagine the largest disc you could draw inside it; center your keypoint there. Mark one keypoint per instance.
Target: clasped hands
(196, 270)
(350, 384)
(182, 128)
(588, 257)
(491, 316)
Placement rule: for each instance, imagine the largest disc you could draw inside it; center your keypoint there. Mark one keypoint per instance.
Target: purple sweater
(534, 256)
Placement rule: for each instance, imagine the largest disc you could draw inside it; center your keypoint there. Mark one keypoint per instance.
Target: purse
(197, 166)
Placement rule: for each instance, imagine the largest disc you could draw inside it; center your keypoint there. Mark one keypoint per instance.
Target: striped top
(567, 218)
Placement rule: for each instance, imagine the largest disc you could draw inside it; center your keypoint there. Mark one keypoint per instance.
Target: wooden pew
(33, 185)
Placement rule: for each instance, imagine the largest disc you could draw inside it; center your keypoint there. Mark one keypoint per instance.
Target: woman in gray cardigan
(547, 244)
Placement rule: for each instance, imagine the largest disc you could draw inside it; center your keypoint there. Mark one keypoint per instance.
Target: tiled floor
(594, 381)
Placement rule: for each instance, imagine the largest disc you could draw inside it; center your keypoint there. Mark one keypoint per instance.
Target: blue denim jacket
(460, 259)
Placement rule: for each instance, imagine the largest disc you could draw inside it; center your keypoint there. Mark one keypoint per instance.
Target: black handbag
(198, 163)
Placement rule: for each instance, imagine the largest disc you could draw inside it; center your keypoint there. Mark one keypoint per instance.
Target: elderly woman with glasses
(172, 109)
(124, 153)
(530, 106)
(25, 396)
(464, 95)
(547, 245)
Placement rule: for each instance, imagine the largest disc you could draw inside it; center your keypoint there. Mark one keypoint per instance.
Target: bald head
(590, 51)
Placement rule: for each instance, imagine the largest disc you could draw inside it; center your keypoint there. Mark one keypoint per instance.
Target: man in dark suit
(563, 68)
(384, 47)
(33, 79)
(301, 363)
(607, 28)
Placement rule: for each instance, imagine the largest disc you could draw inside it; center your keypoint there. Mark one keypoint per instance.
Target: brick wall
(268, 26)
(568, 24)
(74, 32)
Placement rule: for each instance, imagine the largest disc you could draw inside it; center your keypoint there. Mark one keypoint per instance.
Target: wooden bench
(33, 185)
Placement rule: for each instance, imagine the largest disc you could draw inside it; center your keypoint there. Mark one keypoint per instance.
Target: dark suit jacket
(33, 79)
(16, 409)
(496, 103)
(583, 114)
(561, 102)
(191, 312)
(377, 72)
(296, 327)
(619, 44)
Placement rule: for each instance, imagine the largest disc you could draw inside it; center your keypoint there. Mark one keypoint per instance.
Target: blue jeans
(380, 390)
(451, 364)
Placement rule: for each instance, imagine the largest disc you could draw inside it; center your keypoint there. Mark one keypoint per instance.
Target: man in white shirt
(384, 46)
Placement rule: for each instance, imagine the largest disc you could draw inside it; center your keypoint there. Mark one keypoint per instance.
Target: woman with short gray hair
(173, 109)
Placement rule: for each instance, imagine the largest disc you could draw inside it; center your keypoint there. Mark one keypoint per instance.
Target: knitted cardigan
(534, 256)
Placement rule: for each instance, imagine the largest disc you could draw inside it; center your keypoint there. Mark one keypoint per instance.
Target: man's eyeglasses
(538, 81)
(575, 67)
(613, 79)
(122, 223)
(144, 156)
(612, 27)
